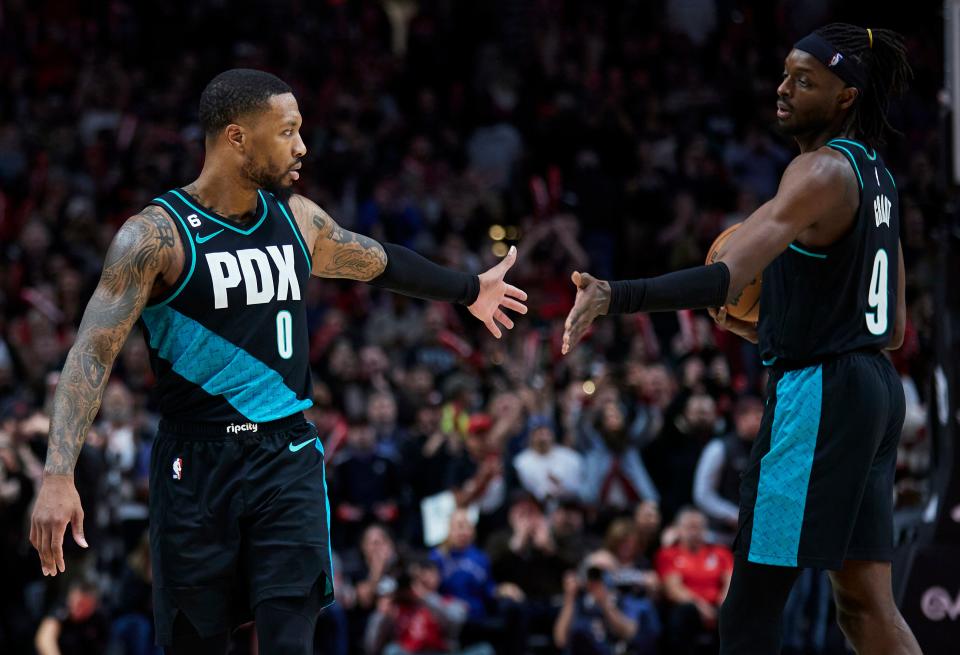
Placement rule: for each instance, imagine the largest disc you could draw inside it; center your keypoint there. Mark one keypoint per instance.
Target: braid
(888, 74)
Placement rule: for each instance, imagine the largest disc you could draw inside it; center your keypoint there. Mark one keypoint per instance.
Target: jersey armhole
(293, 226)
(186, 272)
(853, 160)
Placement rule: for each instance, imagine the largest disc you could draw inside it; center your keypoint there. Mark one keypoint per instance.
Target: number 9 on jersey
(877, 297)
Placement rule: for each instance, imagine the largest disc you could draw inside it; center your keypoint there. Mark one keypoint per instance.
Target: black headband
(848, 70)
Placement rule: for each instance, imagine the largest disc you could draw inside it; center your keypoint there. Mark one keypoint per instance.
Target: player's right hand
(743, 329)
(58, 503)
(593, 300)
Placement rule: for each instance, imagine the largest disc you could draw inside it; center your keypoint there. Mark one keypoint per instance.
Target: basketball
(746, 306)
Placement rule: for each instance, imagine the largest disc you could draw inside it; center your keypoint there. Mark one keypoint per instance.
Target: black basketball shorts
(238, 514)
(819, 486)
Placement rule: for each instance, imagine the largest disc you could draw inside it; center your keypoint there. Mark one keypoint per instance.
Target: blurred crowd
(486, 496)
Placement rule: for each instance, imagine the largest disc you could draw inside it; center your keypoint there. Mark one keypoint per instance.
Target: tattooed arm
(138, 255)
(340, 253)
(141, 251)
(337, 252)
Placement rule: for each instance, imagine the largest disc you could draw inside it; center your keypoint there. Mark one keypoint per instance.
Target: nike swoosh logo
(201, 239)
(306, 443)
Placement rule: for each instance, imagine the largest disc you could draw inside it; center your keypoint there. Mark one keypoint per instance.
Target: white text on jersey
(227, 270)
(881, 210)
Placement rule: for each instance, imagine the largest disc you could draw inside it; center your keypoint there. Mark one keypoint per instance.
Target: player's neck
(226, 193)
(818, 139)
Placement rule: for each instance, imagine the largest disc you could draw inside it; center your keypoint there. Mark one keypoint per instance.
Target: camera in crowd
(631, 580)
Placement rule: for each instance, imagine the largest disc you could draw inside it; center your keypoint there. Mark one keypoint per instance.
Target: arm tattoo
(319, 222)
(138, 254)
(341, 253)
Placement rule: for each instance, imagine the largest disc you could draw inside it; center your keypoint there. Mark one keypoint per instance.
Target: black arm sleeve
(412, 275)
(693, 288)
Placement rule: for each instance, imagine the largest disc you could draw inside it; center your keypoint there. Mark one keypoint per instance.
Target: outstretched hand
(593, 299)
(495, 295)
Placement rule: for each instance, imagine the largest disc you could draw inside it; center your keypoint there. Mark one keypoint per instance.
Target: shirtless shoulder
(826, 177)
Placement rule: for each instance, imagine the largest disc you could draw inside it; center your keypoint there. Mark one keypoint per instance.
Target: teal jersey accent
(230, 342)
(800, 250)
(207, 237)
(185, 236)
(221, 221)
(296, 232)
(785, 469)
(891, 177)
(871, 155)
(219, 367)
(853, 160)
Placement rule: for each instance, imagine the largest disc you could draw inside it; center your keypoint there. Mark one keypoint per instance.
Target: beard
(786, 129)
(791, 128)
(795, 127)
(265, 178)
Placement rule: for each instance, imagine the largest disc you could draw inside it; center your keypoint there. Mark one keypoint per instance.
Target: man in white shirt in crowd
(546, 469)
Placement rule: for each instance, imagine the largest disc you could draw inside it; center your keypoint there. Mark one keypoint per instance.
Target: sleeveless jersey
(228, 342)
(818, 302)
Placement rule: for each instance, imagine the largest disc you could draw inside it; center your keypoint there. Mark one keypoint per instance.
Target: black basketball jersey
(228, 342)
(817, 302)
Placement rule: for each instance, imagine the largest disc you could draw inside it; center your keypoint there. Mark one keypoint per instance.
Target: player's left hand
(593, 299)
(743, 329)
(495, 295)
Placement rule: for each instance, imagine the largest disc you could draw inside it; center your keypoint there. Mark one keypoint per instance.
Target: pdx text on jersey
(277, 279)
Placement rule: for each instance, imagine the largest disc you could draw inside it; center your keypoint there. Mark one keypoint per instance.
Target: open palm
(496, 295)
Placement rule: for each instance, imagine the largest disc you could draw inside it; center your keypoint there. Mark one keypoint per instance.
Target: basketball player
(818, 489)
(217, 272)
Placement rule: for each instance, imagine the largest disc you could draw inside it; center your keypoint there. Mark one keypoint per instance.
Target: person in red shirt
(413, 618)
(696, 576)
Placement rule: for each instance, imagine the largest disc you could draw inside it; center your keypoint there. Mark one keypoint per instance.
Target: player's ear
(236, 136)
(847, 97)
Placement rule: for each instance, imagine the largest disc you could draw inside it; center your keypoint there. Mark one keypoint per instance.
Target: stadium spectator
(696, 576)
(80, 627)
(615, 476)
(412, 616)
(630, 568)
(131, 631)
(600, 618)
(464, 568)
(716, 483)
(674, 455)
(569, 529)
(365, 484)
(546, 469)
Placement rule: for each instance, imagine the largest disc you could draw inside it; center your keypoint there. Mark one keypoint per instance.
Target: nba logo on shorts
(178, 468)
